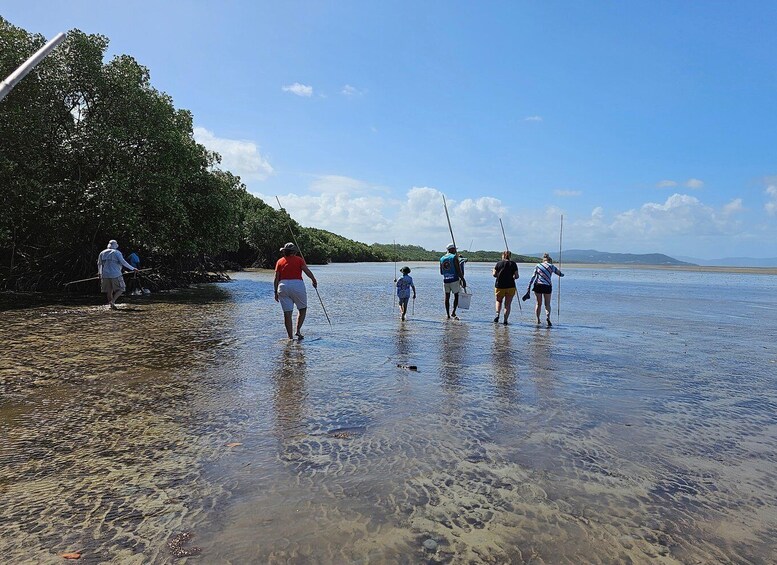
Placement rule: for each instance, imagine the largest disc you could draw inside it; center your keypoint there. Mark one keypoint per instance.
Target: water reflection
(541, 357)
(290, 394)
(505, 368)
(453, 348)
(610, 449)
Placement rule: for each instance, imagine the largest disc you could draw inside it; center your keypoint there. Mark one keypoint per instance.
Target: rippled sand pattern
(642, 428)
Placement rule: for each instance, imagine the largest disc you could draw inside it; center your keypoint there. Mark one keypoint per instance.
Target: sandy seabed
(641, 428)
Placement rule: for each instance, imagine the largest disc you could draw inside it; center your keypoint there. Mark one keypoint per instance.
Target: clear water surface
(641, 428)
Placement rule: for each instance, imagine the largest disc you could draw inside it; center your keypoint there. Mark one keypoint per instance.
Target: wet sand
(640, 428)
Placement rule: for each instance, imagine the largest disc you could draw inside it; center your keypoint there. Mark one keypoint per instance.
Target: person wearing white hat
(453, 279)
(290, 288)
(109, 264)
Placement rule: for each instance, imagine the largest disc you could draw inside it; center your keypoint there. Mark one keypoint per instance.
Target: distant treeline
(90, 151)
(416, 253)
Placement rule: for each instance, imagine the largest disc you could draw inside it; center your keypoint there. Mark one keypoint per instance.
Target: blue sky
(651, 126)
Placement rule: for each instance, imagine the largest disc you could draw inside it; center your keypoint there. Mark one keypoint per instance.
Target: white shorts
(291, 292)
(453, 287)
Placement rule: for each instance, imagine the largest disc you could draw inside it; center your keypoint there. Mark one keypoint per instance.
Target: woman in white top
(543, 286)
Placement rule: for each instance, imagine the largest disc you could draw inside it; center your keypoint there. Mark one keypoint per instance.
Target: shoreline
(686, 268)
(609, 266)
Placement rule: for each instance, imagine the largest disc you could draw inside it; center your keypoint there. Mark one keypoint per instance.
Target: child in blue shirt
(404, 284)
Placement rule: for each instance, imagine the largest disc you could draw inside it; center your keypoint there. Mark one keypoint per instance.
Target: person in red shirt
(290, 288)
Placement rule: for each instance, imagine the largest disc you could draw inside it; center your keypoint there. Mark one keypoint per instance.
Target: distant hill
(593, 256)
(734, 262)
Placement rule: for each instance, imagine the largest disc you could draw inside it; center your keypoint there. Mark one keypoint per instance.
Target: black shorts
(542, 288)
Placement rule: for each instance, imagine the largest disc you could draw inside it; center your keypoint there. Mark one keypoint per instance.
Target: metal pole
(560, 234)
(507, 248)
(395, 277)
(288, 223)
(7, 85)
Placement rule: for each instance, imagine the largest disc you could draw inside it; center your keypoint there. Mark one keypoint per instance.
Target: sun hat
(450, 246)
(405, 270)
(289, 247)
(113, 244)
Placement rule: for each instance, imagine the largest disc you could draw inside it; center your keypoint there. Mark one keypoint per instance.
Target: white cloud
(771, 204)
(690, 183)
(733, 207)
(567, 193)
(681, 214)
(299, 89)
(240, 157)
(533, 119)
(358, 217)
(335, 184)
(694, 183)
(349, 90)
(355, 208)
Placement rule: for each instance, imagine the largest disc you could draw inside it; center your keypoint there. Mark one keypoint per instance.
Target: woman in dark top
(506, 271)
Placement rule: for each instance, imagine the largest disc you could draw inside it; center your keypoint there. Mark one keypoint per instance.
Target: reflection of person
(505, 271)
(109, 264)
(453, 279)
(289, 396)
(404, 284)
(290, 288)
(543, 285)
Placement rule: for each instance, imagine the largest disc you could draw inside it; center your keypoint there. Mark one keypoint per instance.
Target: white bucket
(464, 299)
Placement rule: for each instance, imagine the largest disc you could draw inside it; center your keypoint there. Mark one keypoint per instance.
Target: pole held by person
(558, 301)
(507, 249)
(299, 250)
(13, 79)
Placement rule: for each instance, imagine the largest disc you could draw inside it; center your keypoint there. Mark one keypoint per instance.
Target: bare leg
(538, 306)
(508, 301)
(287, 323)
(455, 303)
(547, 308)
(448, 304)
(498, 309)
(301, 320)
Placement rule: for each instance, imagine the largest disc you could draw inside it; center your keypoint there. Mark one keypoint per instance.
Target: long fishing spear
(395, 275)
(98, 276)
(453, 239)
(8, 84)
(507, 248)
(288, 223)
(457, 257)
(558, 304)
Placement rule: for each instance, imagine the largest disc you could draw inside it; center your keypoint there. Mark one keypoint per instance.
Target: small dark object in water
(347, 433)
(176, 545)
(408, 367)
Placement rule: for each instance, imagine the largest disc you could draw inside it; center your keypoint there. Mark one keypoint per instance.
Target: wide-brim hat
(289, 247)
(450, 246)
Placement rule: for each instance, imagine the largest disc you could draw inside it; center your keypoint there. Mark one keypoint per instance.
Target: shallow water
(641, 428)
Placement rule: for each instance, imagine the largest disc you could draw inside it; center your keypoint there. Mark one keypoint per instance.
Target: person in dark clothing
(505, 272)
